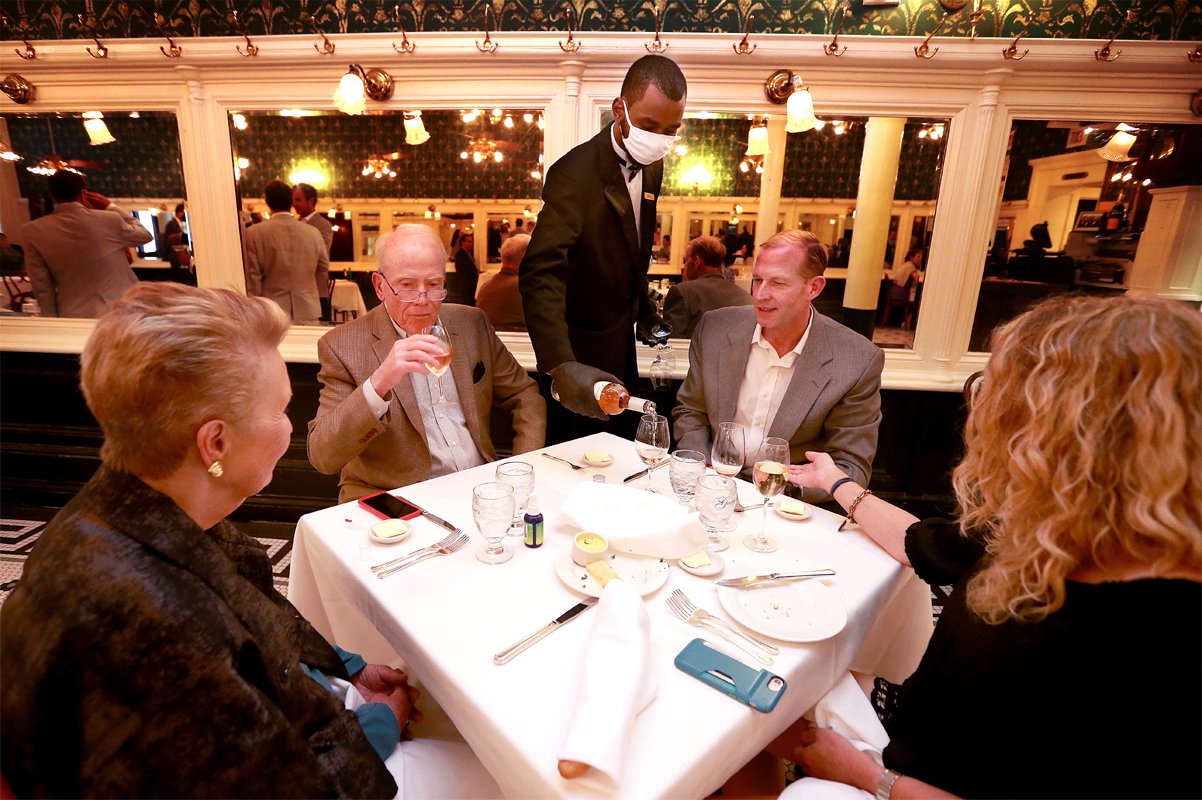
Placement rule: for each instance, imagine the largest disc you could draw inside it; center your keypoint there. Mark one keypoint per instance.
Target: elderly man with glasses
(384, 419)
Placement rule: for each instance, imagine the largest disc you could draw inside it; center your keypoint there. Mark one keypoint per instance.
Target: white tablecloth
(449, 615)
(347, 297)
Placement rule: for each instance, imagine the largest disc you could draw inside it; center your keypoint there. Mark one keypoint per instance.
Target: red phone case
(363, 502)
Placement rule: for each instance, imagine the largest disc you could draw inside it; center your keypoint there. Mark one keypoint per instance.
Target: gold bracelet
(851, 509)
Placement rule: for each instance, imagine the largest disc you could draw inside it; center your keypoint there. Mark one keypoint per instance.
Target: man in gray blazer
(304, 203)
(286, 260)
(381, 419)
(779, 368)
(704, 288)
(77, 256)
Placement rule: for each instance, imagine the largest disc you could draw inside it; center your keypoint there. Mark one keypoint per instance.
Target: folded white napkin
(634, 520)
(846, 710)
(615, 686)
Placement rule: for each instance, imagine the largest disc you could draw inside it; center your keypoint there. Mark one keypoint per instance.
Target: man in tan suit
(286, 260)
(380, 420)
(76, 256)
(779, 368)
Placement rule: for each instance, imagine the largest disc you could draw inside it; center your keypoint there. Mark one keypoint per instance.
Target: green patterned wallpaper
(1080, 19)
(143, 162)
(337, 145)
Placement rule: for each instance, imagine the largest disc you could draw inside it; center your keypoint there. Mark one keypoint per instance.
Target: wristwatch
(884, 785)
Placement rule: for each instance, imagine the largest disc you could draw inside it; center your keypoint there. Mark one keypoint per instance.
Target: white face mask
(646, 147)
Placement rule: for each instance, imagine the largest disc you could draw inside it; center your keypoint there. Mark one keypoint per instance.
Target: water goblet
(651, 441)
(519, 475)
(715, 497)
(443, 360)
(684, 468)
(728, 452)
(492, 509)
(770, 475)
(662, 367)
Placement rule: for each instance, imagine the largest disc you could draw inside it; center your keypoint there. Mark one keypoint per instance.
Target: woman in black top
(1066, 662)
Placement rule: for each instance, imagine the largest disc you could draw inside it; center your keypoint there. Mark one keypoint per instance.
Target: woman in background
(1066, 661)
(145, 651)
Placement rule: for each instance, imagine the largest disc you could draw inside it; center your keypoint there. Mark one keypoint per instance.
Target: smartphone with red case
(385, 505)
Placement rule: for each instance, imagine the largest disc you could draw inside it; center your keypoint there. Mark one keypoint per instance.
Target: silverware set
(450, 544)
(683, 608)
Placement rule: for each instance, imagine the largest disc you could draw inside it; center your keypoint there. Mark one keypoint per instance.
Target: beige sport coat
(286, 261)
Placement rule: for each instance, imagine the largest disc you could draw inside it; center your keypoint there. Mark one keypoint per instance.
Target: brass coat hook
(571, 45)
(924, 50)
(326, 47)
(1011, 53)
(101, 50)
(743, 48)
(974, 18)
(655, 45)
(488, 45)
(251, 49)
(173, 50)
(29, 54)
(406, 45)
(1194, 56)
(832, 49)
(1104, 54)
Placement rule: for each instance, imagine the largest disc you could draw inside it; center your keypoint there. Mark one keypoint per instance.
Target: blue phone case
(757, 688)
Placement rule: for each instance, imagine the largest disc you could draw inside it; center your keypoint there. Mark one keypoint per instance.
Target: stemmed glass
(492, 508)
(665, 358)
(715, 497)
(770, 475)
(651, 441)
(443, 360)
(728, 451)
(519, 475)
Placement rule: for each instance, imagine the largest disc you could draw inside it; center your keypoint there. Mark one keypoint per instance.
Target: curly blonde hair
(167, 358)
(1084, 448)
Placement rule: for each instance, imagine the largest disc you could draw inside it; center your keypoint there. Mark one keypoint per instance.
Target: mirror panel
(130, 157)
(1090, 206)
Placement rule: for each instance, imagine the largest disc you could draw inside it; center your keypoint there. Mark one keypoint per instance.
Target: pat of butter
(697, 560)
(602, 572)
(790, 506)
(598, 457)
(389, 529)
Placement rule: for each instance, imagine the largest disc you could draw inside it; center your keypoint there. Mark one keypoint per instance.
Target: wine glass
(443, 360)
(492, 508)
(519, 475)
(663, 366)
(715, 497)
(728, 452)
(684, 469)
(651, 441)
(770, 475)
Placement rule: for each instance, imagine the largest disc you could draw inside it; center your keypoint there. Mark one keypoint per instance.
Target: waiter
(584, 278)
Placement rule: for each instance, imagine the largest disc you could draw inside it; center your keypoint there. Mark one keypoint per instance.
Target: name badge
(648, 196)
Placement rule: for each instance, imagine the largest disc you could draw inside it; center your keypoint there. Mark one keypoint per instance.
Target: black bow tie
(631, 168)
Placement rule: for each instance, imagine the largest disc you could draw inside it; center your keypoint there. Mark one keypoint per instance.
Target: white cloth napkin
(615, 686)
(846, 710)
(634, 520)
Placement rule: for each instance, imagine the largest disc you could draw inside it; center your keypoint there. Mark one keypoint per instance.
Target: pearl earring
(216, 470)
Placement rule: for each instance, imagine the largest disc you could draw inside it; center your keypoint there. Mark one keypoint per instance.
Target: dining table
(346, 299)
(446, 617)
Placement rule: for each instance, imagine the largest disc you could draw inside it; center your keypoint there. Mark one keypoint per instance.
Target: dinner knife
(506, 655)
(643, 472)
(437, 520)
(751, 580)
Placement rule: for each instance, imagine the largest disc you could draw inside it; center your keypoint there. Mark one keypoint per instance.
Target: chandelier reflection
(378, 167)
(481, 150)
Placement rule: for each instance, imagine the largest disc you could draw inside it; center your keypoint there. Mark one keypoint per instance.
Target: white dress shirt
(764, 384)
(452, 448)
(634, 184)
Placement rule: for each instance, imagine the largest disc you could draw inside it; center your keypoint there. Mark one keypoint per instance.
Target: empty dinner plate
(800, 611)
(644, 575)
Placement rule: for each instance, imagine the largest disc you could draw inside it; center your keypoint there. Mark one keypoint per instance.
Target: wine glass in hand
(728, 452)
(439, 365)
(770, 475)
(651, 441)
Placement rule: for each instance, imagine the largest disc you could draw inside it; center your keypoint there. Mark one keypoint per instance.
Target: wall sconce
(757, 146)
(8, 155)
(1119, 146)
(18, 89)
(415, 129)
(786, 86)
(98, 132)
(698, 176)
(357, 84)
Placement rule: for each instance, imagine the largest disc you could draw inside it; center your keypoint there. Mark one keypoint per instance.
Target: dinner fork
(446, 541)
(683, 608)
(563, 461)
(740, 508)
(455, 544)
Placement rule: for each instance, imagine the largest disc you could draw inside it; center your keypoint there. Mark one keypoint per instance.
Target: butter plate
(715, 567)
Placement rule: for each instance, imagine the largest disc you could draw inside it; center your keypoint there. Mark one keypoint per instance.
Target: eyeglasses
(412, 295)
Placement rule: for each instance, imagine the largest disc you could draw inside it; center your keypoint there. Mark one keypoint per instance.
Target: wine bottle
(614, 399)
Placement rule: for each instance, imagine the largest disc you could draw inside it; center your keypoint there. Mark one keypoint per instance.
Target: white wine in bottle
(614, 399)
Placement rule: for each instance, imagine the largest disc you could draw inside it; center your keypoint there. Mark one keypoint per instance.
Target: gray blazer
(76, 258)
(687, 301)
(326, 229)
(287, 262)
(832, 405)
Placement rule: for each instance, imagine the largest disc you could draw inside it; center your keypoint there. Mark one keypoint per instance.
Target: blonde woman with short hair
(1066, 660)
(145, 651)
